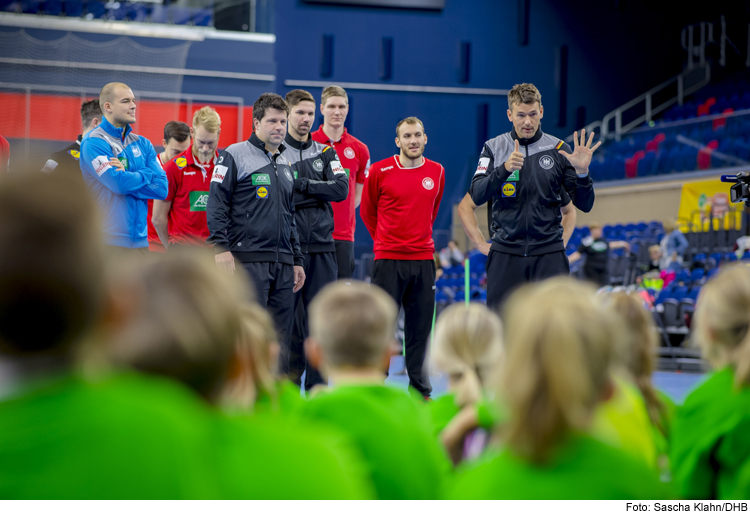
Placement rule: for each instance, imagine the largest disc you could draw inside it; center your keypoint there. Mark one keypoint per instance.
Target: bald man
(121, 171)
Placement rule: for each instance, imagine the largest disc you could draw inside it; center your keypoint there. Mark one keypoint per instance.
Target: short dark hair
(269, 100)
(89, 111)
(176, 130)
(295, 97)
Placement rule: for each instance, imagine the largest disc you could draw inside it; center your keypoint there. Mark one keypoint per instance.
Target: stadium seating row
(111, 10)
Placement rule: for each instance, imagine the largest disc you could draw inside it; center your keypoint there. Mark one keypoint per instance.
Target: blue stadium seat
(52, 7)
(96, 9)
(73, 8)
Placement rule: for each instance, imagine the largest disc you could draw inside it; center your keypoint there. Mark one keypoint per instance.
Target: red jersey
(399, 206)
(154, 242)
(355, 158)
(189, 183)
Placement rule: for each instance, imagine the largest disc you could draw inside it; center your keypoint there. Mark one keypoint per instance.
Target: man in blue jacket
(121, 170)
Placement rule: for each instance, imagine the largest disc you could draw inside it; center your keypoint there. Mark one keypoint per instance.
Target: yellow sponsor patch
(262, 192)
(509, 190)
(75, 153)
(181, 162)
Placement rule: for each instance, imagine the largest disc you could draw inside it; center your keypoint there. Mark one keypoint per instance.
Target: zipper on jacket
(525, 212)
(278, 208)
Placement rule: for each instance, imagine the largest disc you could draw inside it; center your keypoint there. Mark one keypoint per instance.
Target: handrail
(647, 98)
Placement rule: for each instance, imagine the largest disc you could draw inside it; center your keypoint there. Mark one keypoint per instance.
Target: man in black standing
(68, 159)
(250, 214)
(525, 172)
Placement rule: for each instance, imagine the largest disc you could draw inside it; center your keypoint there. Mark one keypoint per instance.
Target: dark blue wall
(614, 54)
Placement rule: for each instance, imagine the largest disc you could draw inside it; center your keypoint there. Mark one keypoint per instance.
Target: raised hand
(515, 162)
(582, 152)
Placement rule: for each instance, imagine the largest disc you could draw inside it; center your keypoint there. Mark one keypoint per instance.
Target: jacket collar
(299, 145)
(112, 130)
(255, 141)
(523, 141)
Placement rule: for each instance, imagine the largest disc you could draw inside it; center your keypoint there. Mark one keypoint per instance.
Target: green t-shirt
(134, 437)
(583, 468)
(441, 411)
(623, 422)
(288, 400)
(710, 438)
(123, 437)
(393, 433)
(271, 457)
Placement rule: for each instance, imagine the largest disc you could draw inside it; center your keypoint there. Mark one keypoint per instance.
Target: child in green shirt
(188, 328)
(466, 346)
(351, 340)
(556, 371)
(711, 433)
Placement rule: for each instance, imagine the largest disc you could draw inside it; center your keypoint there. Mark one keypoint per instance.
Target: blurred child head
(654, 252)
(558, 350)
(638, 359)
(722, 319)
(467, 345)
(351, 327)
(595, 229)
(254, 361)
(179, 318)
(51, 267)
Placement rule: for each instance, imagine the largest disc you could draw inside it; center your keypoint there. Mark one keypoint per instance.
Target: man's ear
(192, 132)
(510, 115)
(425, 139)
(541, 111)
(398, 142)
(314, 353)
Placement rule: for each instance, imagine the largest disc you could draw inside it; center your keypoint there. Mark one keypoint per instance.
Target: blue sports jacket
(122, 195)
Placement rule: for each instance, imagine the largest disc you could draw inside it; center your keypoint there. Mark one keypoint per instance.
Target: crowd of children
(155, 379)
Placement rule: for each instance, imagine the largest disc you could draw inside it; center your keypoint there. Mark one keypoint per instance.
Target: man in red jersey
(355, 158)
(176, 141)
(181, 218)
(399, 205)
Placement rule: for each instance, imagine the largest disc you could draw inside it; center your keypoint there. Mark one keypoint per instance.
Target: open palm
(582, 152)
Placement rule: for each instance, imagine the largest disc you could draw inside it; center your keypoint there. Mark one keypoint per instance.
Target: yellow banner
(700, 198)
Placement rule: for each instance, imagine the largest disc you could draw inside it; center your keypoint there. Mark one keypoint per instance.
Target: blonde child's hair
(559, 344)
(467, 344)
(722, 319)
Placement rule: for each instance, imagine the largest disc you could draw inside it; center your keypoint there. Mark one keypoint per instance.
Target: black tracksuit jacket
(526, 217)
(319, 179)
(250, 209)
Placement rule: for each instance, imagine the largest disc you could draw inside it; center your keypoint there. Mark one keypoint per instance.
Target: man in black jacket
(250, 213)
(68, 158)
(525, 172)
(319, 179)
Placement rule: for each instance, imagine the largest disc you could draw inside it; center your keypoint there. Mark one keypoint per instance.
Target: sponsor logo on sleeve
(349, 152)
(338, 170)
(181, 162)
(136, 151)
(428, 184)
(318, 165)
(75, 153)
(218, 175)
(101, 165)
(261, 179)
(509, 190)
(198, 201)
(49, 166)
(546, 162)
(262, 192)
(484, 164)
